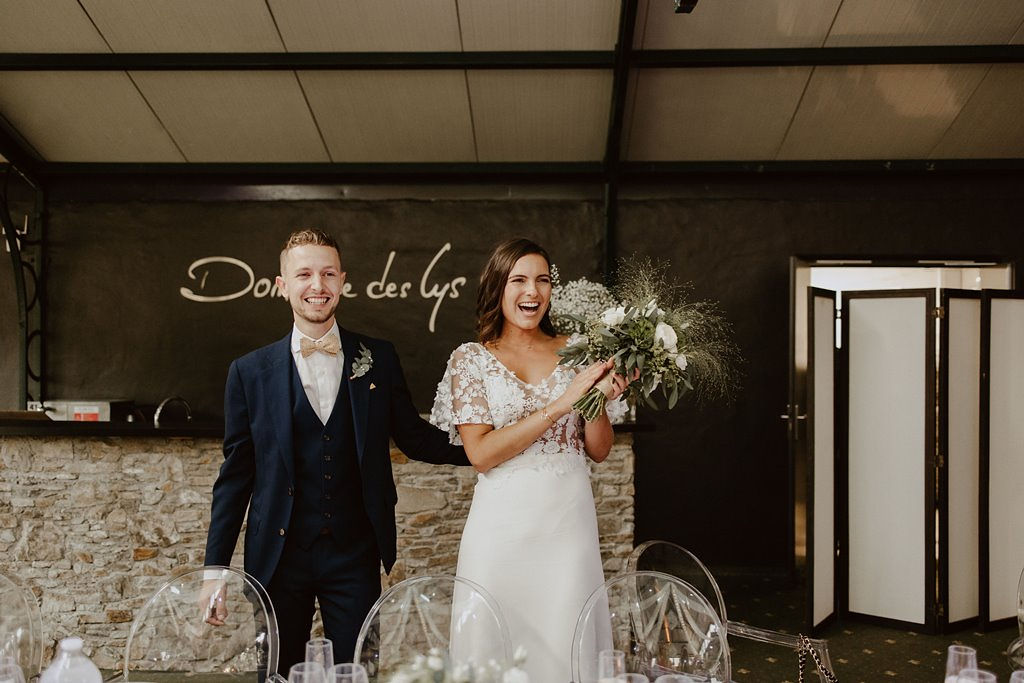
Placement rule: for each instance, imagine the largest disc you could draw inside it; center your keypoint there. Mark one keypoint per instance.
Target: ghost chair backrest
(21, 625)
(675, 560)
(170, 634)
(662, 623)
(1015, 650)
(450, 617)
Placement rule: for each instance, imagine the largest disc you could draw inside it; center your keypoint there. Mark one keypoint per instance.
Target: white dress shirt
(320, 374)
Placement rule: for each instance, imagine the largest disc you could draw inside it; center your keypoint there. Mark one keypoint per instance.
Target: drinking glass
(975, 676)
(347, 673)
(673, 678)
(1017, 676)
(633, 678)
(958, 658)
(307, 672)
(320, 651)
(610, 663)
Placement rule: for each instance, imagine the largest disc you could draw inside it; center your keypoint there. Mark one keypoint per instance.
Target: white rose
(681, 361)
(613, 316)
(666, 335)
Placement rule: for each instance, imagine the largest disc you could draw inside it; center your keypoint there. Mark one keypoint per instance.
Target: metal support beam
(613, 143)
(277, 61)
(19, 153)
(17, 270)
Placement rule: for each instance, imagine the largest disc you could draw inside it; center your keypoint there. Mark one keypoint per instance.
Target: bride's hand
(581, 384)
(619, 383)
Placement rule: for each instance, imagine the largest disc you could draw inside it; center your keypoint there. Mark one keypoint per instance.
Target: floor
(861, 653)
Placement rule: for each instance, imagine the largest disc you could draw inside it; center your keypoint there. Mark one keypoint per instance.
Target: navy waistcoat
(328, 486)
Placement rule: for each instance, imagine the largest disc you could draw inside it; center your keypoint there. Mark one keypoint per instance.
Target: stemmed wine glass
(975, 676)
(320, 651)
(347, 673)
(610, 665)
(958, 658)
(307, 672)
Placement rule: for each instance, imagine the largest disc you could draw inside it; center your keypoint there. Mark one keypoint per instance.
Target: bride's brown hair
(489, 318)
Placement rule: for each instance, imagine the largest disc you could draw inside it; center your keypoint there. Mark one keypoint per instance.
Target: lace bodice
(478, 389)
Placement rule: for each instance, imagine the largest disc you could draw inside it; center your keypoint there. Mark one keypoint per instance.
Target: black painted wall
(711, 477)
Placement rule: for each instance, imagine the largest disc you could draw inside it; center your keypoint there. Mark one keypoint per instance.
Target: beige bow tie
(329, 345)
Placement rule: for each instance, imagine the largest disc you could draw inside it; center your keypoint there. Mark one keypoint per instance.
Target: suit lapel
(358, 390)
(279, 395)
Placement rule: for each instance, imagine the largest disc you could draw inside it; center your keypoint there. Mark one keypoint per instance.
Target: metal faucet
(172, 399)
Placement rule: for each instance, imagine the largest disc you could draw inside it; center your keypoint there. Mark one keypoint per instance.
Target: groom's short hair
(308, 236)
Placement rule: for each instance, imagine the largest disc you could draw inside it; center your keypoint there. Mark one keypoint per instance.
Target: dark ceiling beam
(594, 59)
(675, 169)
(830, 56)
(276, 61)
(318, 172)
(19, 153)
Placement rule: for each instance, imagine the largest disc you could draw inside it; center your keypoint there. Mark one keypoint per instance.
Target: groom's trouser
(344, 580)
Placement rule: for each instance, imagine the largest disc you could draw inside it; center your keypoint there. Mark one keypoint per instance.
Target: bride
(531, 537)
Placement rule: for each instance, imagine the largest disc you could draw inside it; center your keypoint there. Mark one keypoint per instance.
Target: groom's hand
(213, 602)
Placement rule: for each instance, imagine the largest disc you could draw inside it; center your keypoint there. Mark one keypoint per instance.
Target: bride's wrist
(556, 410)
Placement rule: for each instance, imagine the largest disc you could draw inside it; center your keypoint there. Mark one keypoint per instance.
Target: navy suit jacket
(259, 467)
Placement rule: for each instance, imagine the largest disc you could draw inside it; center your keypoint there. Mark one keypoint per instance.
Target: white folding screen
(1002, 454)
(889, 366)
(821, 500)
(959, 410)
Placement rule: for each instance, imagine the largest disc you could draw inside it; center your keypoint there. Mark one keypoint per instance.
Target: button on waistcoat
(328, 486)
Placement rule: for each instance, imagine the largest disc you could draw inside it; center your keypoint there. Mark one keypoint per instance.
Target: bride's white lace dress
(531, 537)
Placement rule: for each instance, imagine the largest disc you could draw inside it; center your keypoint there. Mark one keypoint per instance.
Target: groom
(306, 427)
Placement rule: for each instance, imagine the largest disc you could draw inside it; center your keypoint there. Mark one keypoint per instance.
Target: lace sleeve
(461, 397)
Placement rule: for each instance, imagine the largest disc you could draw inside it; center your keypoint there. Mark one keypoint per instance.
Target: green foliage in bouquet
(657, 334)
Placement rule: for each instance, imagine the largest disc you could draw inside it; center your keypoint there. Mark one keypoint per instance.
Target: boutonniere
(363, 362)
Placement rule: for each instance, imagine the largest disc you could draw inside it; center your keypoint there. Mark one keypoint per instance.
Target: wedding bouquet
(437, 667)
(656, 336)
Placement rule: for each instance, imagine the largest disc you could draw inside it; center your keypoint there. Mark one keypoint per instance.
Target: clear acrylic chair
(449, 616)
(662, 623)
(170, 635)
(21, 626)
(673, 559)
(1015, 650)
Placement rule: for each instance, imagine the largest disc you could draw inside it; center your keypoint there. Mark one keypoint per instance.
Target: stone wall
(93, 525)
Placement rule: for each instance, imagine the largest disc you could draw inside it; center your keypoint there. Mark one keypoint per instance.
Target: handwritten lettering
(450, 288)
(386, 288)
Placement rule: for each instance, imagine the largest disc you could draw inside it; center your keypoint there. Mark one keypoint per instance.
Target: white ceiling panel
(234, 115)
(392, 115)
(544, 115)
(1018, 37)
(50, 26)
(878, 112)
(925, 22)
(83, 116)
(990, 125)
(718, 24)
(712, 114)
(367, 25)
(185, 25)
(508, 25)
